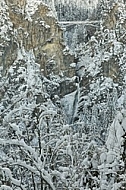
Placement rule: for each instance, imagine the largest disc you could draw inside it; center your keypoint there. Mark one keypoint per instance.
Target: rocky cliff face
(31, 25)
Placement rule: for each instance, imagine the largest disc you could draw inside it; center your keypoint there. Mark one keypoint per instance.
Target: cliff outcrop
(32, 26)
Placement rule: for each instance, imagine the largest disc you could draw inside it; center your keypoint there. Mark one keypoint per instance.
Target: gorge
(62, 95)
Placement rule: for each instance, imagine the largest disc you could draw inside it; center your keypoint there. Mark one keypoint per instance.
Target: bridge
(79, 22)
(86, 22)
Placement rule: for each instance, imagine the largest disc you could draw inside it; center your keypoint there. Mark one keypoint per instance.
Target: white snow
(16, 128)
(9, 175)
(5, 187)
(73, 65)
(116, 132)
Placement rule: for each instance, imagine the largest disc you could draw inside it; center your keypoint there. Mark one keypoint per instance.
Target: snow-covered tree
(112, 168)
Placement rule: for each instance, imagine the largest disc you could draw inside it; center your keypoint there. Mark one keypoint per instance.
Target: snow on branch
(5, 187)
(16, 182)
(39, 168)
(19, 143)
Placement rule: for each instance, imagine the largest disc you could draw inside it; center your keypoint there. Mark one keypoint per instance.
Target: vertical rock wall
(31, 26)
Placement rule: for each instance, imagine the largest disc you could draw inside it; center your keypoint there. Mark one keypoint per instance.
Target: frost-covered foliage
(20, 131)
(37, 146)
(113, 157)
(34, 144)
(101, 72)
(45, 146)
(5, 32)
